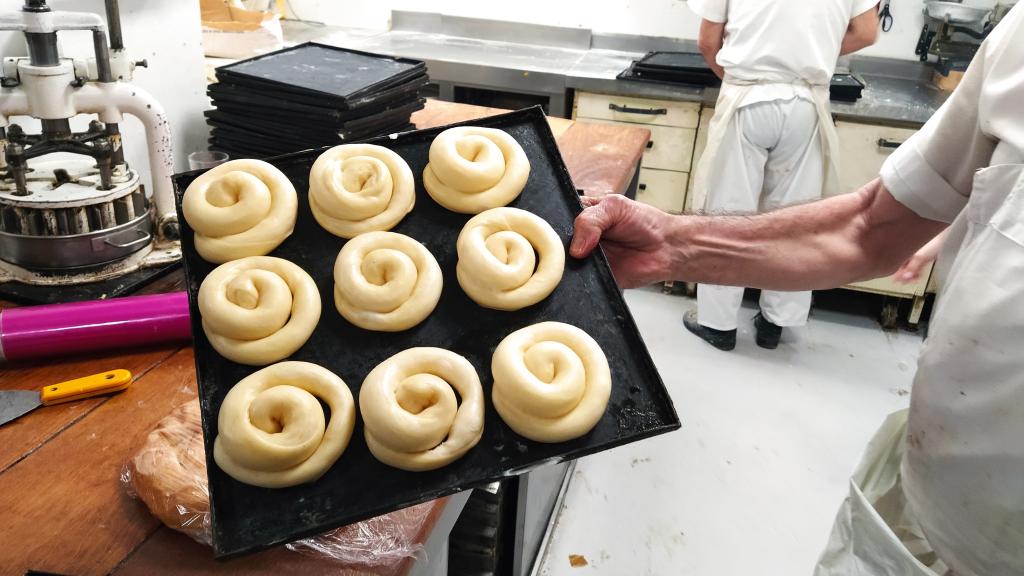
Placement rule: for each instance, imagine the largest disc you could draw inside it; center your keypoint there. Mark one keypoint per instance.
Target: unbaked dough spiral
(258, 310)
(357, 188)
(386, 282)
(474, 169)
(411, 415)
(240, 208)
(498, 267)
(551, 382)
(271, 430)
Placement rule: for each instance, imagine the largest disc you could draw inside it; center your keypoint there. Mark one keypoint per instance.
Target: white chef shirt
(963, 472)
(781, 41)
(933, 172)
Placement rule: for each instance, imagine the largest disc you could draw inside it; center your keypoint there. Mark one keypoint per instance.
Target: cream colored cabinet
(669, 148)
(666, 164)
(637, 110)
(863, 148)
(658, 188)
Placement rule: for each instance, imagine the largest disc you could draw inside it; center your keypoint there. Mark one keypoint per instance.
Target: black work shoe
(721, 339)
(768, 334)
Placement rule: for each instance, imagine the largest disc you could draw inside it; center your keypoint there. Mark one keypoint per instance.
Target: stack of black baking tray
(846, 88)
(248, 518)
(309, 96)
(677, 68)
(690, 69)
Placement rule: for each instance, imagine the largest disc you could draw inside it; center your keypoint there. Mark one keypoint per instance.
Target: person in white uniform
(772, 142)
(941, 488)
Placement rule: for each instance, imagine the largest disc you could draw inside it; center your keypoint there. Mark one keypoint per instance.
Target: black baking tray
(237, 148)
(845, 88)
(262, 146)
(287, 101)
(279, 130)
(688, 69)
(674, 68)
(247, 518)
(337, 74)
(673, 78)
(293, 122)
(673, 61)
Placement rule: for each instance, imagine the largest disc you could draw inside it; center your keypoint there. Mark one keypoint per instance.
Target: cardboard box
(230, 31)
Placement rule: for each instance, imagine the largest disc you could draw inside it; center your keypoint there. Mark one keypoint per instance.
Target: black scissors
(886, 16)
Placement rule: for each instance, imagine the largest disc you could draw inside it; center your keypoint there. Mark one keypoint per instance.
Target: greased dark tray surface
(247, 518)
(339, 75)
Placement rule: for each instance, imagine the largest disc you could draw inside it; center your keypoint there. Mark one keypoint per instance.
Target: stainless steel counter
(886, 99)
(892, 95)
(890, 99)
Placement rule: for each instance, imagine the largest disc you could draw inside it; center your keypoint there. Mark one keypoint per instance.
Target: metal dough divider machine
(83, 215)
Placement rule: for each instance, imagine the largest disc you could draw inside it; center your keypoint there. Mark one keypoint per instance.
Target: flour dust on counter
(756, 474)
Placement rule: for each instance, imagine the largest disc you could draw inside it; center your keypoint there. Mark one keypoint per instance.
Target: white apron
(962, 470)
(730, 99)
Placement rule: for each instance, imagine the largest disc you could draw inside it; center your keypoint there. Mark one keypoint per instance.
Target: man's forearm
(711, 58)
(710, 41)
(861, 33)
(822, 245)
(853, 42)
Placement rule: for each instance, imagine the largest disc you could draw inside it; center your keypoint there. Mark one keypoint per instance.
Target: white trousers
(770, 158)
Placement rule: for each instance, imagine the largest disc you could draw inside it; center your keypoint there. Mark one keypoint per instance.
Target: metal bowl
(68, 252)
(955, 13)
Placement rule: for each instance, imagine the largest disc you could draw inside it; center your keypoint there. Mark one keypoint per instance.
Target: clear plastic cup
(206, 159)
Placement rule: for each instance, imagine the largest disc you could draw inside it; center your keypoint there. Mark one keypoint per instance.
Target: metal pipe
(3, 148)
(113, 100)
(14, 103)
(114, 24)
(58, 129)
(99, 44)
(17, 168)
(114, 135)
(42, 48)
(35, 6)
(103, 162)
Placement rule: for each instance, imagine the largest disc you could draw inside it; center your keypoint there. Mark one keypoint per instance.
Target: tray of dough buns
(381, 324)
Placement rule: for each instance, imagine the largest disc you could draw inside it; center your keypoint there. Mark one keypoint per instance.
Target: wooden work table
(64, 509)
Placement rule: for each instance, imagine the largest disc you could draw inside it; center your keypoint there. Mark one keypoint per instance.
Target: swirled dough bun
(474, 169)
(509, 259)
(357, 188)
(258, 310)
(411, 415)
(386, 282)
(240, 208)
(551, 382)
(271, 430)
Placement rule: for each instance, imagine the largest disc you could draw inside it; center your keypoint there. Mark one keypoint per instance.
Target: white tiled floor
(751, 483)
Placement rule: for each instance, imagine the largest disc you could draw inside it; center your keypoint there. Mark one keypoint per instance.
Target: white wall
(669, 18)
(167, 34)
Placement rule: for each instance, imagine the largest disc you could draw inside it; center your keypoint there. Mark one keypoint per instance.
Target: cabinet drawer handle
(647, 111)
(886, 143)
(642, 187)
(650, 144)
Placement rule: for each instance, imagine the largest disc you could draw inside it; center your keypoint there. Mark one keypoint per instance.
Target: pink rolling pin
(67, 329)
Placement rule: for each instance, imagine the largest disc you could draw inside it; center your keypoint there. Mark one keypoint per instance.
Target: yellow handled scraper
(16, 403)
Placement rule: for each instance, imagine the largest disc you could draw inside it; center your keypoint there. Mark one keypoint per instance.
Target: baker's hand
(632, 235)
(911, 270)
